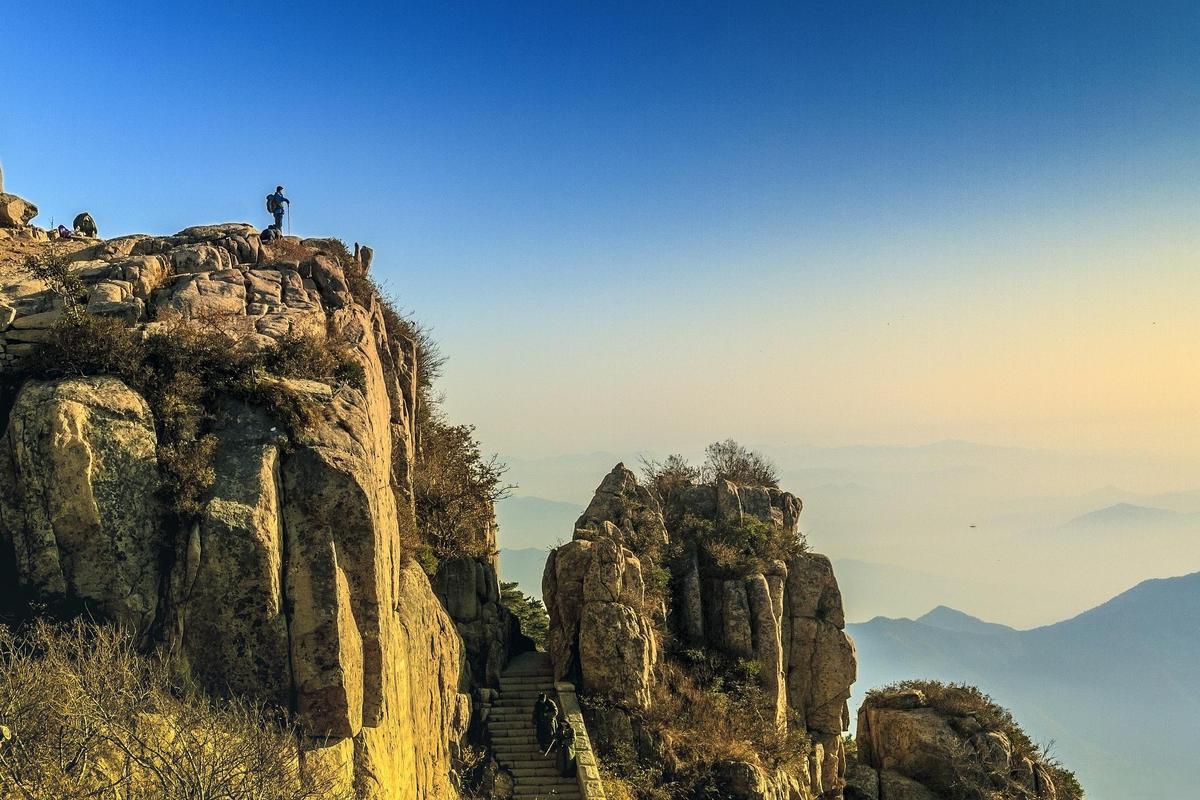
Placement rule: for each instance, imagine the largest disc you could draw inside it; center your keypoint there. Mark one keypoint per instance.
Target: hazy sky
(653, 225)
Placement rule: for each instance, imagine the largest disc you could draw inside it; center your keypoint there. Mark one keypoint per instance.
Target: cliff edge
(247, 520)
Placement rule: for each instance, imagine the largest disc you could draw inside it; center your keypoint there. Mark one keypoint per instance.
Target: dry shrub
(706, 708)
(455, 488)
(284, 249)
(714, 709)
(84, 715)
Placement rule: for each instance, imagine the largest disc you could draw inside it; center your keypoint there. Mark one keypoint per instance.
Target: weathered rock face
(599, 629)
(290, 587)
(469, 588)
(15, 212)
(78, 476)
(910, 748)
(787, 618)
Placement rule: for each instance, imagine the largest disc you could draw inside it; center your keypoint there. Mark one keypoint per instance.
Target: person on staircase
(564, 740)
(545, 721)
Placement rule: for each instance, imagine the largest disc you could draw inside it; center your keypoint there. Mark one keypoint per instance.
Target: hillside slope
(1116, 687)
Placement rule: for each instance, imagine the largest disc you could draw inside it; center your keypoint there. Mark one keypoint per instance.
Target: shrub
(87, 345)
(730, 461)
(737, 549)
(707, 707)
(54, 269)
(669, 476)
(529, 611)
(455, 488)
(87, 716)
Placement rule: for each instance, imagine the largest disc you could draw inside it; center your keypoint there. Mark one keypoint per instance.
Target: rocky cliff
(288, 584)
(924, 740)
(709, 549)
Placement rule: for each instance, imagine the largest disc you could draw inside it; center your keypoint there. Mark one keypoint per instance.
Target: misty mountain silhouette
(1117, 687)
(949, 619)
(1127, 514)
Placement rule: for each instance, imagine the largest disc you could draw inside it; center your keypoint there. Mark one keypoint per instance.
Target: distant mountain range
(1129, 518)
(1117, 687)
(525, 566)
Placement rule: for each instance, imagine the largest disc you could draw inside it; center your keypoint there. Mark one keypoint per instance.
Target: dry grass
(84, 715)
(288, 250)
(703, 712)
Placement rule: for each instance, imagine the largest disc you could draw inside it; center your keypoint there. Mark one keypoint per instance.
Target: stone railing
(588, 770)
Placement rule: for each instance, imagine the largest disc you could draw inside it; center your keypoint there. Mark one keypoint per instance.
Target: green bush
(737, 549)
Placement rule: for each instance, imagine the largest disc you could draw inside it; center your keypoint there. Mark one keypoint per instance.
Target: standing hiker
(275, 206)
(545, 720)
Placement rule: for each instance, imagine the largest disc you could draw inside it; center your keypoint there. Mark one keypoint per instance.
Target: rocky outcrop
(951, 744)
(469, 588)
(600, 632)
(786, 616)
(15, 212)
(289, 586)
(78, 481)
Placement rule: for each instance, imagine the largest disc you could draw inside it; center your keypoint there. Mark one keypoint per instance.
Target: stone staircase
(510, 722)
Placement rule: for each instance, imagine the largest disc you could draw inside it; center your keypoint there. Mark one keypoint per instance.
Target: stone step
(543, 786)
(536, 771)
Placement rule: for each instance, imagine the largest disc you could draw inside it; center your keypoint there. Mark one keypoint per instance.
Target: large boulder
(15, 212)
(600, 634)
(941, 741)
(629, 506)
(78, 488)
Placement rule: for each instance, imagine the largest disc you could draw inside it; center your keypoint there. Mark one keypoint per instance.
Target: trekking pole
(289, 216)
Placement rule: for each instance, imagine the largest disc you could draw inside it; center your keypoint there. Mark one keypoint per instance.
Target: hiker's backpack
(272, 204)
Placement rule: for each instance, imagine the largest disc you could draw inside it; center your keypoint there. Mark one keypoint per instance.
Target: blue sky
(645, 221)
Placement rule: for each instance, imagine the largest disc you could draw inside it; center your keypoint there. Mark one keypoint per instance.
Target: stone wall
(290, 586)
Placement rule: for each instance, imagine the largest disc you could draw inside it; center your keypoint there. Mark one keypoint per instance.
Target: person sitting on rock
(275, 206)
(545, 720)
(85, 225)
(564, 740)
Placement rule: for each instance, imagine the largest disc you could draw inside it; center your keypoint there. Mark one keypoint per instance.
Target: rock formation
(947, 744)
(289, 586)
(15, 212)
(787, 616)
